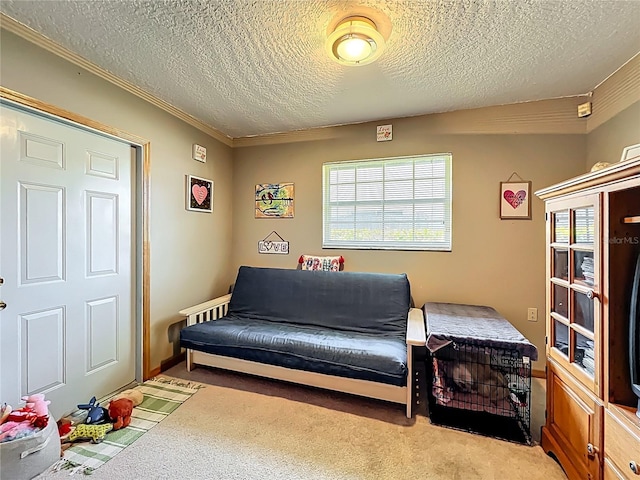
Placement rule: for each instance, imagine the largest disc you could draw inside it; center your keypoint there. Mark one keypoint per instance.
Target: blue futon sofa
(345, 331)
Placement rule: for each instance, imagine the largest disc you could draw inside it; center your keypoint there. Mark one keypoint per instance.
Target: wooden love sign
(280, 247)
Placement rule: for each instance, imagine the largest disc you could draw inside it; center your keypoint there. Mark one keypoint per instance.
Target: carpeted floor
(240, 427)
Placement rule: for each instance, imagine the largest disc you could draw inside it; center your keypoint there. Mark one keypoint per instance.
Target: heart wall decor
(199, 194)
(515, 200)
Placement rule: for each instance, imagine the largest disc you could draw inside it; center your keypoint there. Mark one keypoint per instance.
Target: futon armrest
(416, 334)
(210, 310)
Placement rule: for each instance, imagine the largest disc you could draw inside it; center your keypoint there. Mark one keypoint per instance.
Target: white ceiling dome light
(355, 41)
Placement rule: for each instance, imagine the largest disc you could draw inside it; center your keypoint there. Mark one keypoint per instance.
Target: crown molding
(9, 24)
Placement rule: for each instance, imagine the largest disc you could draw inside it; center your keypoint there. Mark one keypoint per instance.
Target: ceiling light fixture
(355, 41)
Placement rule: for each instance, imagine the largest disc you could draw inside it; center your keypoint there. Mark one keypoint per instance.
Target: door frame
(142, 247)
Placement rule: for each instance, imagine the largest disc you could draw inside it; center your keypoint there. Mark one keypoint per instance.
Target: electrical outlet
(532, 314)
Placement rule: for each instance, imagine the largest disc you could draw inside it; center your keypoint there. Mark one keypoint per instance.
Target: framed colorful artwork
(199, 194)
(515, 200)
(274, 200)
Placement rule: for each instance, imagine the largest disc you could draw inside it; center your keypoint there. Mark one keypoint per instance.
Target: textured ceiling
(253, 67)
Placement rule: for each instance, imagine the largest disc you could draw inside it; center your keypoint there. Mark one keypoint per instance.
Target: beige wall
(615, 121)
(189, 251)
(605, 143)
(494, 262)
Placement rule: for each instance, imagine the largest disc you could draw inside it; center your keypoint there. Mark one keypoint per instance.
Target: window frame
(446, 201)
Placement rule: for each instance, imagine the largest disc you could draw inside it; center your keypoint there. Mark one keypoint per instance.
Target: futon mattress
(378, 358)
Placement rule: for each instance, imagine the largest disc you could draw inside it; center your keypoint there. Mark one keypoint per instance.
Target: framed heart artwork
(199, 194)
(515, 200)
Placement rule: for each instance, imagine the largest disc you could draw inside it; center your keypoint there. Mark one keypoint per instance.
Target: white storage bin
(28, 457)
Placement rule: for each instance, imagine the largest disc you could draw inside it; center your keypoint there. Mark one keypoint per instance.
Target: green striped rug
(162, 396)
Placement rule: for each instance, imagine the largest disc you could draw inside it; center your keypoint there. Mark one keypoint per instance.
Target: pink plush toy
(35, 412)
(37, 404)
(26, 420)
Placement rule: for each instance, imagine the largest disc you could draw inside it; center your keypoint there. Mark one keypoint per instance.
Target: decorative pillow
(328, 264)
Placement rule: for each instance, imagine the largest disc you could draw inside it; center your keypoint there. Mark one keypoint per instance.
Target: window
(401, 203)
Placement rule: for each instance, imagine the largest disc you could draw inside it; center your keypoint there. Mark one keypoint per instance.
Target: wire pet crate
(480, 389)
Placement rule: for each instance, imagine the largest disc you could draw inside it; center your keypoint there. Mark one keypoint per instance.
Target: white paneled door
(67, 328)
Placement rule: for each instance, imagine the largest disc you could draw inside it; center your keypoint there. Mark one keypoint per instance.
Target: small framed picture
(515, 200)
(199, 153)
(199, 194)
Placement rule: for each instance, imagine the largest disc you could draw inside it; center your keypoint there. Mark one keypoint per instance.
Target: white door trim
(142, 213)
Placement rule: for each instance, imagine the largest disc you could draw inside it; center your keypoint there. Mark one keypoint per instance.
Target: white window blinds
(401, 203)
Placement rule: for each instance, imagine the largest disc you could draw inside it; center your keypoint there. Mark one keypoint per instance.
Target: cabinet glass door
(574, 278)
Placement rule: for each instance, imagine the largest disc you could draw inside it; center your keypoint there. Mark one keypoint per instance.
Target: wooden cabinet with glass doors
(589, 397)
(574, 282)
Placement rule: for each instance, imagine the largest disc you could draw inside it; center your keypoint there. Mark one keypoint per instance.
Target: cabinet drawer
(622, 445)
